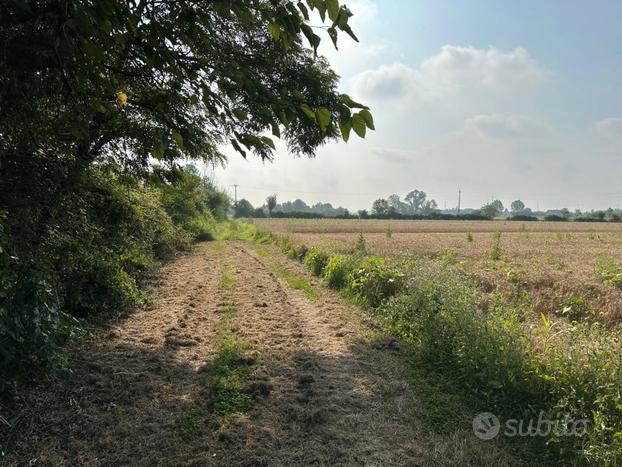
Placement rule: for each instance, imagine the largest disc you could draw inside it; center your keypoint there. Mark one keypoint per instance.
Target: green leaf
(323, 117)
(358, 125)
(157, 152)
(269, 142)
(237, 147)
(345, 126)
(276, 130)
(333, 9)
(321, 8)
(347, 100)
(240, 114)
(332, 32)
(179, 140)
(275, 30)
(303, 10)
(308, 111)
(369, 120)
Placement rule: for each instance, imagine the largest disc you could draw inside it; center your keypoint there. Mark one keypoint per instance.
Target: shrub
(376, 279)
(469, 237)
(554, 218)
(316, 260)
(522, 217)
(337, 271)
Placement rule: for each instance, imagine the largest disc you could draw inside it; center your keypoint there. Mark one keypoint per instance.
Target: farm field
(547, 265)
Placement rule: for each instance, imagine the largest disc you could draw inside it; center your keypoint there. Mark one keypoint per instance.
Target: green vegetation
(226, 380)
(469, 237)
(502, 359)
(608, 271)
(496, 252)
(297, 282)
(107, 90)
(114, 231)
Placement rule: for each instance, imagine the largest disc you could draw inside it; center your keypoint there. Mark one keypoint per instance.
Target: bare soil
(330, 388)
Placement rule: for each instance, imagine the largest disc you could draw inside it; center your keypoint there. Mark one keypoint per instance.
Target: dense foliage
(93, 94)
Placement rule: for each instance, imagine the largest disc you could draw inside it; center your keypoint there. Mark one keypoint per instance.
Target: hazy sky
(504, 98)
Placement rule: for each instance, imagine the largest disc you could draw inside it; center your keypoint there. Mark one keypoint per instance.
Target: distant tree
(258, 213)
(271, 203)
(380, 207)
(363, 214)
(498, 206)
(489, 210)
(565, 212)
(243, 208)
(416, 200)
(517, 206)
(429, 206)
(397, 204)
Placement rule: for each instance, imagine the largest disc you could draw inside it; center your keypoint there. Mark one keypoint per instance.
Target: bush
(376, 279)
(108, 234)
(554, 218)
(522, 217)
(316, 260)
(337, 271)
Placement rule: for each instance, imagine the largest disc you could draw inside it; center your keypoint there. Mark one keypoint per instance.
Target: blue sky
(496, 98)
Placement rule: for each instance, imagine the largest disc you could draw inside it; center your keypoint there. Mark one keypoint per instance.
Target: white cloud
(453, 69)
(504, 127)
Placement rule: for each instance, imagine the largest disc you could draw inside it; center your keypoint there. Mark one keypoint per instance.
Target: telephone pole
(459, 196)
(235, 191)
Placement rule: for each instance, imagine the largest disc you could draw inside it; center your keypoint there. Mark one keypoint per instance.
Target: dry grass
(545, 263)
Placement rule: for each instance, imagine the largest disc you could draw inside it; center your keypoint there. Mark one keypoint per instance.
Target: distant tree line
(416, 205)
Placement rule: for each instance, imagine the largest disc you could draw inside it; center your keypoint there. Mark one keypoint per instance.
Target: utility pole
(459, 196)
(235, 191)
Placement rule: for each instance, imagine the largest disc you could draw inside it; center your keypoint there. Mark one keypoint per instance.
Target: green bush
(337, 271)
(376, 279)
(316, 260)
(110, 232)
(515, 370)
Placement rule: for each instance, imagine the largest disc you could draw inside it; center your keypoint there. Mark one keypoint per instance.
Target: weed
(361, 246)
(389, 233)
(496, 252)
(337, 271)
(609, 272)
(316, 260)
(297, 282)
(469, 237)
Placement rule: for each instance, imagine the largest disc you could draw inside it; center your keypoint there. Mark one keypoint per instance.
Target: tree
(498, 206)
(429, 206)
(416, 200)
(243, 208)
(380, 207)
(489, 210)
(397, 204)
(271, 203)
(517, 206)
(132, 81)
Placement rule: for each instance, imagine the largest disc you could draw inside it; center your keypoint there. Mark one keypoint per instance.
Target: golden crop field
(554, 263)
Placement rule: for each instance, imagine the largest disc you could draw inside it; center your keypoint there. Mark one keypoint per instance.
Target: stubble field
(547, 266)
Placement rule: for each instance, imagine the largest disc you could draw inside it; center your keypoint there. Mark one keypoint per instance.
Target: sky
(499, 99)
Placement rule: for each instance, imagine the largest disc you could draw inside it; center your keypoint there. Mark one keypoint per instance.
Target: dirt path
(328, 389)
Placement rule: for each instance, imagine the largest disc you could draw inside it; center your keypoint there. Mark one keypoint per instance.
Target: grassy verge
(564, 372)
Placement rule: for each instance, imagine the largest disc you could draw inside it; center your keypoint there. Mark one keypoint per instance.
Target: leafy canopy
(127, 81)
